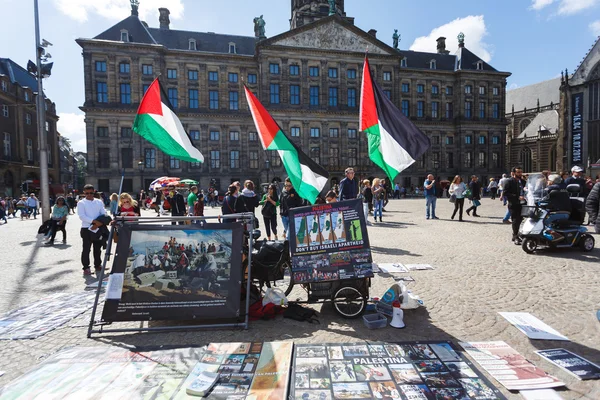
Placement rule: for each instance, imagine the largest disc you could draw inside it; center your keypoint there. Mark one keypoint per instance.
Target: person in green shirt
(191, 200)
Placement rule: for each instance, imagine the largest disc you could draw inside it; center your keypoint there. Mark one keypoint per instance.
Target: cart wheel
(287, 283)
(349, 302)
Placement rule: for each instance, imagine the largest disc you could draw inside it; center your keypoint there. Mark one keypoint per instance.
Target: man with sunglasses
(88, 210)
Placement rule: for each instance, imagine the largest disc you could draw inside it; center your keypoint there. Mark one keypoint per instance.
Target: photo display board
(329, 242)
(407, 370)
(180, 272)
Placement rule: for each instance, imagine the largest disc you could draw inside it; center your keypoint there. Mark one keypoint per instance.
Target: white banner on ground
(115, 286)
(541, 394)
(532, 327)
(392, 268)
(418, 267)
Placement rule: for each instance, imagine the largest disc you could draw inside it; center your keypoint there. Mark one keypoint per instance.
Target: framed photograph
(179, 272)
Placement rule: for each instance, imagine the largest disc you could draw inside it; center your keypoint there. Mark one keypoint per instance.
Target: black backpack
(298, 313)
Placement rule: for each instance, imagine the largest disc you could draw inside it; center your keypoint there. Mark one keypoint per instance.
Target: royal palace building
(309, 78)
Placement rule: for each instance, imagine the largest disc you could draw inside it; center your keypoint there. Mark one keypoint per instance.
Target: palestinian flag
(394, 141)
(157, 122)
(308, 177)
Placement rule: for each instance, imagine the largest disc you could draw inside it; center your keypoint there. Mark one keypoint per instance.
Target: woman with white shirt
(458, 189)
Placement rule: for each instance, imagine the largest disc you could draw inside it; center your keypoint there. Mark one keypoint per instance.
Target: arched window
(526, 159)
(524, 124)
(552, 166)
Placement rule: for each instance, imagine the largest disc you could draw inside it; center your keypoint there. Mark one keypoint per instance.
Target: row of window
(449, 111)
(6, 114)
(467, 160)
(7, 149)
(26, 95)
(333, 158)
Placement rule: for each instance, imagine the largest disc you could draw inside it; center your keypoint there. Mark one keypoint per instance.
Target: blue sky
(533, 39)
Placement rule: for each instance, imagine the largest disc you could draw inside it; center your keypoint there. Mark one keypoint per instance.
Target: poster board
(180, 272)
(407, 370)
(116, 373)
(509, 367)
(329, 242)
(575, 365)
(532, 326)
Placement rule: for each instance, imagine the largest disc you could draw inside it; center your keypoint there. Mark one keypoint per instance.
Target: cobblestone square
(478, 273)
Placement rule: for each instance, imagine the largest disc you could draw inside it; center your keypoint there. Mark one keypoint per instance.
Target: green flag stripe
(147, 127)
(375, 154)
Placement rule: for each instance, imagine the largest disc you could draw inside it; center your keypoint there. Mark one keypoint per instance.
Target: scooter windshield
(536, 183)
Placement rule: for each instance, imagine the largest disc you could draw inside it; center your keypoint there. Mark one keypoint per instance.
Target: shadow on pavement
(392, 252)
(26, 271)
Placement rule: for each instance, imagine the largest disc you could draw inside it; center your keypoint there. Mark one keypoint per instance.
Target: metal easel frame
(247, 218)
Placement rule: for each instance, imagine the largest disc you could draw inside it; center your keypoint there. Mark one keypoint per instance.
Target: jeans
(86, 235)
(58, 227)
(507, 215)
(378, 206)
(430, 202)
(285, 220)
(33, 210)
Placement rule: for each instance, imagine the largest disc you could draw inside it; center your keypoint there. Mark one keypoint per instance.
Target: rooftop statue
(259, 27)
(396, 38)
(332, 9)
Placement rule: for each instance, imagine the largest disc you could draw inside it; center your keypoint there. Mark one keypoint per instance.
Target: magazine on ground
(572, 363)
(509, 367)
(202, 384)
(407, 370)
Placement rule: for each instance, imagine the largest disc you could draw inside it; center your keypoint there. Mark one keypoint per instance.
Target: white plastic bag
(275, 296)
(410, 301)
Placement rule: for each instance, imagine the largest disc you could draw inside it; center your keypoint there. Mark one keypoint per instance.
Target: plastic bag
(275, 296)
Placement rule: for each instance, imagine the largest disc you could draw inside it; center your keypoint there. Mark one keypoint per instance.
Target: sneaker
(49, 243)
(435, 218)
(518, 241)
(87, 271)
(98, 269)
(505, 221)
(380, 220)
(426, 217)
(64, 241)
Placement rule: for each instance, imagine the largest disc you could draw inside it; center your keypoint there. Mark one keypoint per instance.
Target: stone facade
(19, 155)
(309, 78)
(582, 113)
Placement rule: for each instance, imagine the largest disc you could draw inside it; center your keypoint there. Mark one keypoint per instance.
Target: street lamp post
(267, 167)
(41, 122)
(141, 166)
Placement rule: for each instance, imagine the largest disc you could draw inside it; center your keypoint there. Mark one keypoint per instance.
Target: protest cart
(169, 271)
(331, 256)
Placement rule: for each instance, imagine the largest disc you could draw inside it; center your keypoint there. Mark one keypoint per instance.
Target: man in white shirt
(33, 204)
(88, 210)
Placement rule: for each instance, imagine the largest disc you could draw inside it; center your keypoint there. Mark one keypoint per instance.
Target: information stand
(175, 272)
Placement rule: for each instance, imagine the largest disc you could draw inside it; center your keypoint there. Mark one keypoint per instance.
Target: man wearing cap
(577, 179)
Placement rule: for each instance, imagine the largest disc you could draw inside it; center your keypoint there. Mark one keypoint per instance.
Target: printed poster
(572, 363)
(532, 327)
(252, 371)
(329, 242)
(408, 370)
(181, 272)
(509, 367)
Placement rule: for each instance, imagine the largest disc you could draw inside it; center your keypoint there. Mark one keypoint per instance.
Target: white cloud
(595, 27)
(568, 7)
(513, 86)
(80, 10)
(539, 4)
(565, 7)
(473, 26)
(72, 126)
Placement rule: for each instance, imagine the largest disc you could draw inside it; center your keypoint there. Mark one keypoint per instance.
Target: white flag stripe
(393, 154)
(172, 125)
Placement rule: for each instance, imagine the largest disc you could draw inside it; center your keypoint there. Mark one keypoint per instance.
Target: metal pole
(41, 122)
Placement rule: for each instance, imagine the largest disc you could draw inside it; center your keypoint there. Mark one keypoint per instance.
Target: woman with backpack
(270, 202)
(232, 204)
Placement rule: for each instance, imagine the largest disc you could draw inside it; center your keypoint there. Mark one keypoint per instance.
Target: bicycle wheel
(349, 302)
(287, 283)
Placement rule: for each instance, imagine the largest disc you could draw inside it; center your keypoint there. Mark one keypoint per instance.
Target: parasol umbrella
(188, 182)
(163, 181)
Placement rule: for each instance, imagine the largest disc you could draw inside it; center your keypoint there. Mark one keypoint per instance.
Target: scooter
(544, 228)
